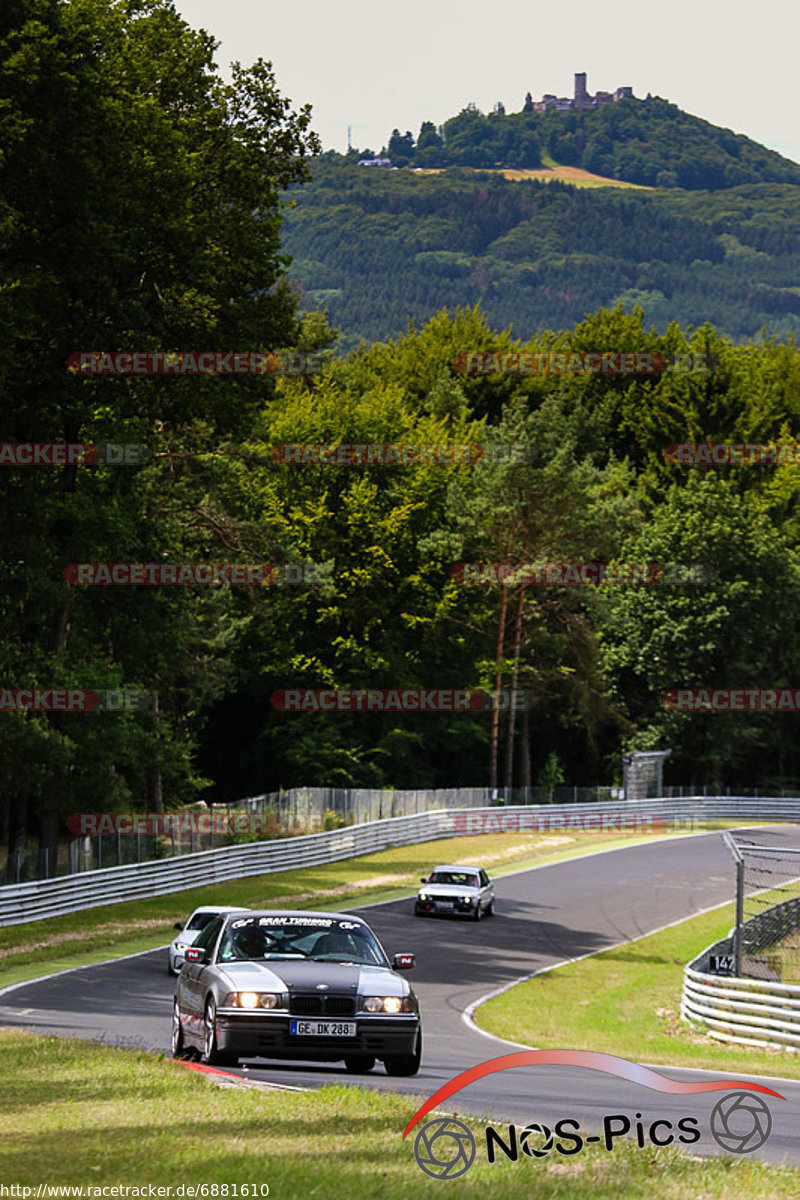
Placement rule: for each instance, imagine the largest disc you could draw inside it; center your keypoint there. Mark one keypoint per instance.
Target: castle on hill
(581, 99)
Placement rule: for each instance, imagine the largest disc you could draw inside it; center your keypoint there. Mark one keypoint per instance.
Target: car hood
(448, 890)
(304, 976)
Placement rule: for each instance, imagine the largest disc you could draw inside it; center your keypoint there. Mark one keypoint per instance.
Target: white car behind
(465, 891)
(189, 932)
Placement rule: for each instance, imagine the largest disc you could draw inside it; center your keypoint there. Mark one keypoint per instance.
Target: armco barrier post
(737, 937)
(737, 932)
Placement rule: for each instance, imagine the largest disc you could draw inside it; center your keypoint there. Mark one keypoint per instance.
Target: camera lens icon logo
(741, 1122)
(536, 1140)
(444, 1148)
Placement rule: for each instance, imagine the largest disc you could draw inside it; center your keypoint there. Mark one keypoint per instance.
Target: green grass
(76, 1113)
(627, 1002)
(96, 934)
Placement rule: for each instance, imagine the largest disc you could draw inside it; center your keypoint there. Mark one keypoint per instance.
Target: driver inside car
(247, 943)
(335, 943)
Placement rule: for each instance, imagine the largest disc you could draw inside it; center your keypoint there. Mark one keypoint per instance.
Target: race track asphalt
(544, 916)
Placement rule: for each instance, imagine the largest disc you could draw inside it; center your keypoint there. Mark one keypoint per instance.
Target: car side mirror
(178, 925)
(195, 954)
(423, 879)
(403, 962)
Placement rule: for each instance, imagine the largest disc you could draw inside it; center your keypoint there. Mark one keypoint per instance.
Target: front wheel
(359, 1064)
(405, 1064)
(478, 911)
(490, 909)
(177, 1042)
(212, 1055)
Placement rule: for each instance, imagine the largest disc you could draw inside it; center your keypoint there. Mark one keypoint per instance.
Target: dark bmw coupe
(296, 985)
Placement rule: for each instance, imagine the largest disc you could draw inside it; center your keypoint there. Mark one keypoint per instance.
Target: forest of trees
(377, 248)
(172, 242)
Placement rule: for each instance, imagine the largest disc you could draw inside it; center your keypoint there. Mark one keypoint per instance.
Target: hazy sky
(378, 65)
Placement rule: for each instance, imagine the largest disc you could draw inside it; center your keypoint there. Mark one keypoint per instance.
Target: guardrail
(34, 901)
(750, 1012)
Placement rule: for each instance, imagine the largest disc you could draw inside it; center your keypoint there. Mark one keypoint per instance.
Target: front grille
(318, 1006)
(305, 1006)
(340, 1006)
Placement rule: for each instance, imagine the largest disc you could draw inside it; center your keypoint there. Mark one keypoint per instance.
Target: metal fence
(766, 939)
(283, 814)
(45, 898)
(295, 812)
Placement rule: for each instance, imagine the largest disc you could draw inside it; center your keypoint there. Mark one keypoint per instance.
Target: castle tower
(580, 87)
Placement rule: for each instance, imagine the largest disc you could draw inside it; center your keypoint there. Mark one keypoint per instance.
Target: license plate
(323, 1029)
(444, 903)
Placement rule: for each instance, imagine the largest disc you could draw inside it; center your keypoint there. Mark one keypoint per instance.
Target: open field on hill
(575, 175)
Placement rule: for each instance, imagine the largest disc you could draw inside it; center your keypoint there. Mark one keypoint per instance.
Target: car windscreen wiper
(347, 962)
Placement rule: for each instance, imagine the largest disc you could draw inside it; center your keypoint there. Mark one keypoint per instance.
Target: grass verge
(78, 1114)
(627, 1002)
(97, 934)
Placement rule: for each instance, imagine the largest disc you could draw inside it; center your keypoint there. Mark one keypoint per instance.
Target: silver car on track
(465, 891)
(296, 985)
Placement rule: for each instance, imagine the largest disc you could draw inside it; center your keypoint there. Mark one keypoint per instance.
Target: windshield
(200, 920)
(456, 878)
(318, 939)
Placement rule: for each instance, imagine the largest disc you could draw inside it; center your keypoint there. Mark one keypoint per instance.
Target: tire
(210, 1054)
(419, 912)
(490, 909)
(478, 912)
(359, 1064)
(405, 1064)
(177, 1042)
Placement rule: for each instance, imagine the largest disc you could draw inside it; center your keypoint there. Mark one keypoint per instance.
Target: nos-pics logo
(445, 1148)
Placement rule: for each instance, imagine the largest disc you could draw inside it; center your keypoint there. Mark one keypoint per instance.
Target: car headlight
(180, 947)
(466, 899)
(388, 1004)
(423, 896)
(252, 1000)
